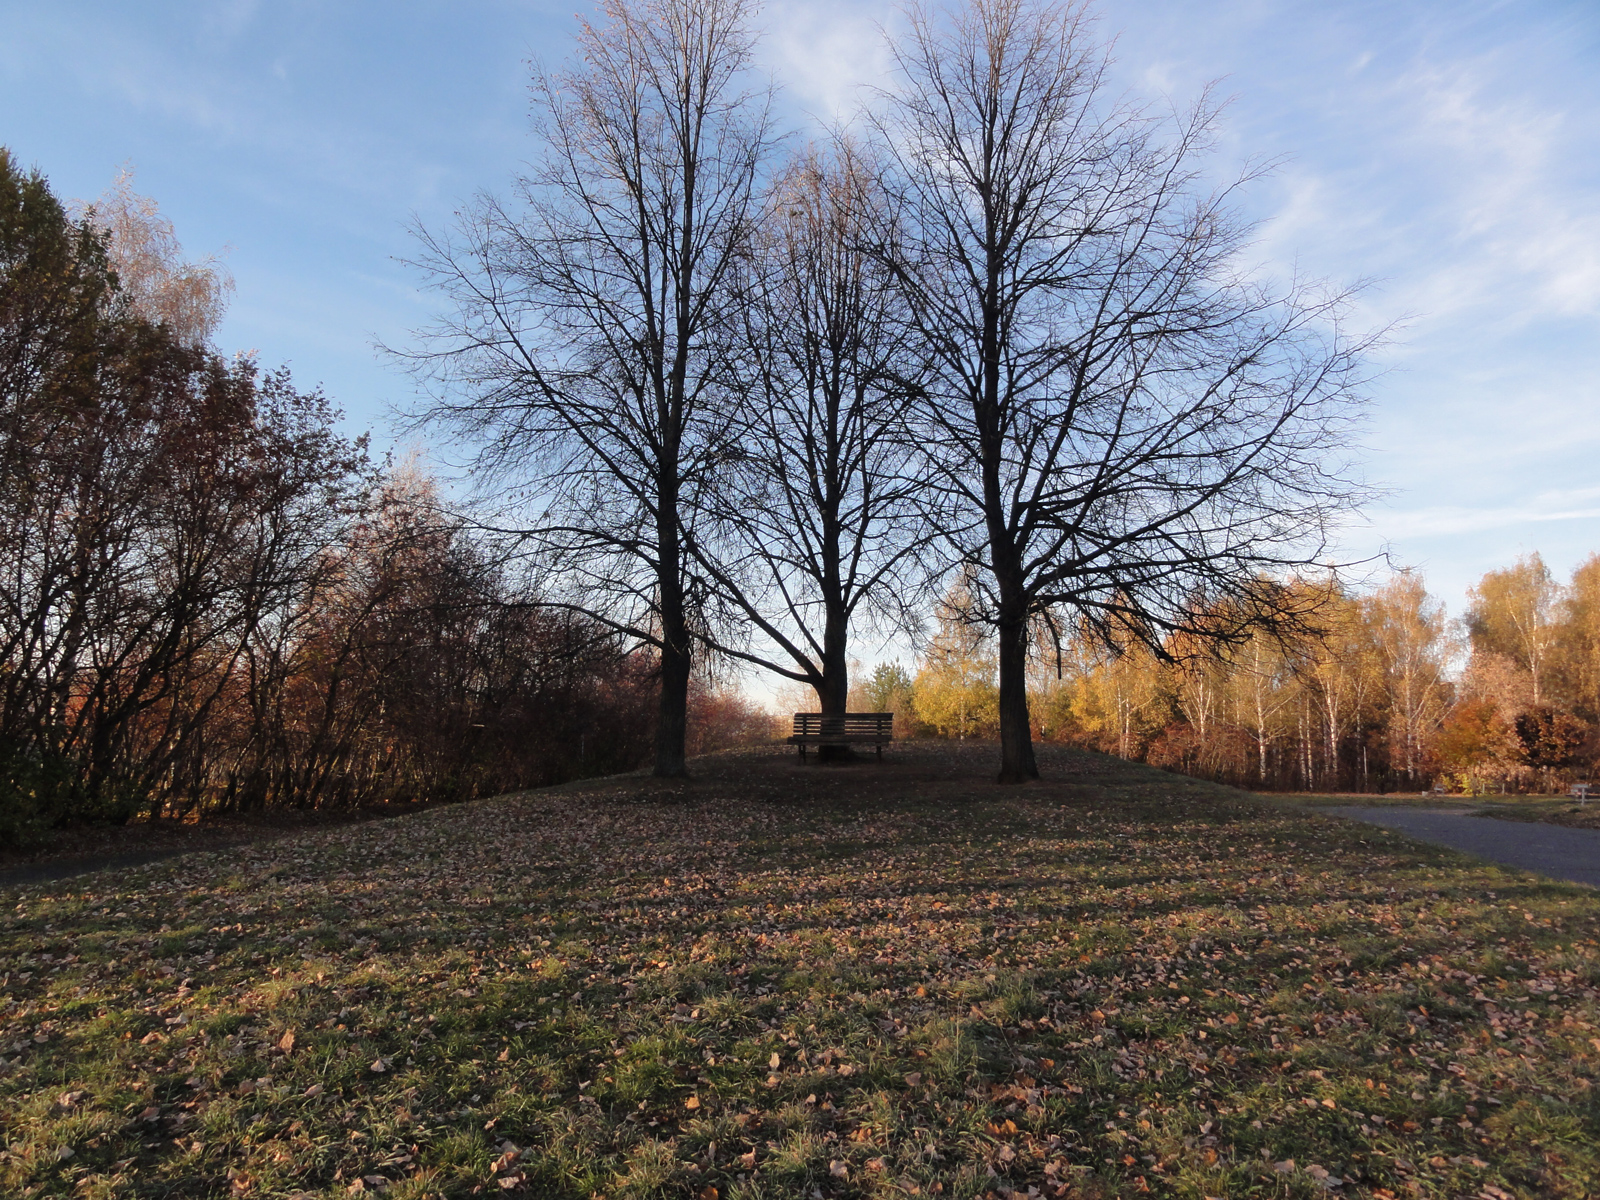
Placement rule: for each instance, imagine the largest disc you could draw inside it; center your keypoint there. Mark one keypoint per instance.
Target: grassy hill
(859, 981)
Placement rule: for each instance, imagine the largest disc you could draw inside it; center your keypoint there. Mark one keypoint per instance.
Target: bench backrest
(844, 725)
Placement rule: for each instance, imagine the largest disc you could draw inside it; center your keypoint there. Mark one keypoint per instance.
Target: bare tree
(818, 519)
(1128, 420)
(584, 361)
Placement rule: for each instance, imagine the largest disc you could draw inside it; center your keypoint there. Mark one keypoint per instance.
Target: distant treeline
(1382, 693)
(212, 600)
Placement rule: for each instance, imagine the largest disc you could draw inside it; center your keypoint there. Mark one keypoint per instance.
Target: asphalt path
(1553, 850)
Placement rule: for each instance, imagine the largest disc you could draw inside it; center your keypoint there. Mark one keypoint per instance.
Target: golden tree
(1579, 642)
(1515, 615)
(1412, 648)
(187, 297)
(956, 692)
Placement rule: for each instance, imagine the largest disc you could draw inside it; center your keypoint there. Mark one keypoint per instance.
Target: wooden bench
(814, 729)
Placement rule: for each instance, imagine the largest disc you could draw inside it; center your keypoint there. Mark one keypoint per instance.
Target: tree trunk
(1261, 721)
(833, 693)
(672, 721)
(1017, 763)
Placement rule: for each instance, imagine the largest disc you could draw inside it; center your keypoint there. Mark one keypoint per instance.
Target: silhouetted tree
(820, 520)
(586, 357)
(1123, 420)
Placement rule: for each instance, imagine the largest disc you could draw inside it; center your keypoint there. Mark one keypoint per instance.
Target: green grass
(847, 982)
(1544, 810)
(1389, 800)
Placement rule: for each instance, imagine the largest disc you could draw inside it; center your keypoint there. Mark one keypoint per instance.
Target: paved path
(1550, 849)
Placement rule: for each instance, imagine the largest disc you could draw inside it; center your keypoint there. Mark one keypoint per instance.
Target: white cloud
(824, 54)
(1453, 519)
(1519, 219)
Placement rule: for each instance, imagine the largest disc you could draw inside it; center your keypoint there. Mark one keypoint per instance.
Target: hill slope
(782, 981)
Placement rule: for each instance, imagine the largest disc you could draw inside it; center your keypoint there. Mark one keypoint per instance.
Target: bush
(40, 790)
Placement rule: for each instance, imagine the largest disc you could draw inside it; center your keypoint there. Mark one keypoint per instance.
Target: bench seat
(842, 729)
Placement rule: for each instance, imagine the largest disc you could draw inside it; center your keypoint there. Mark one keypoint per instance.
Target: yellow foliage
(956, 693)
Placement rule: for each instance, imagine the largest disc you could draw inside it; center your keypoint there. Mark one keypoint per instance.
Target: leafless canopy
(819, 518)
(1127, 418)
(584, 362)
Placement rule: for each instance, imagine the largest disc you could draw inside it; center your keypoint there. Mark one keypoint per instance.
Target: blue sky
(1447, 151)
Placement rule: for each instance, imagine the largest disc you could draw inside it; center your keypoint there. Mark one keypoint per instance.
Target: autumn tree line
(728, 395)
(1382, 693)
(212, 600)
